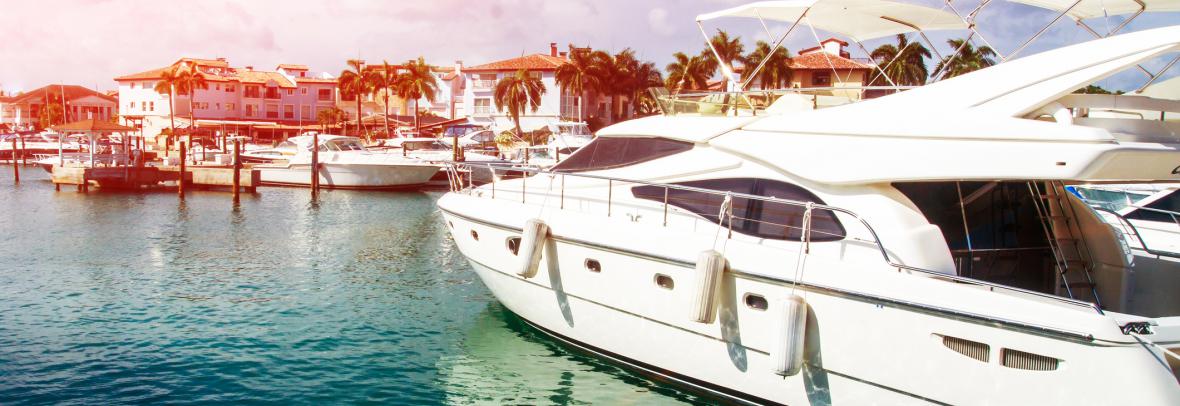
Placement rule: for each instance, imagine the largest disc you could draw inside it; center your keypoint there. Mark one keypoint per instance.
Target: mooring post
(183, 158)
(15, 167)
(237, 170)
(315, 166)
(23, 158)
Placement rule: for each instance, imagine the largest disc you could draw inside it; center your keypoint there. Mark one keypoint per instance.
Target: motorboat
(345, 164)
(36, 145)
(566, 137)
(916, 248)
(263, 155)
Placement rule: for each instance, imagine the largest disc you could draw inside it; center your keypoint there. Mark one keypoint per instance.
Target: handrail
(872, 232)
(1135, 230)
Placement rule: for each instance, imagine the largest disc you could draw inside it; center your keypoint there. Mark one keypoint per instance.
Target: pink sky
(89, 42)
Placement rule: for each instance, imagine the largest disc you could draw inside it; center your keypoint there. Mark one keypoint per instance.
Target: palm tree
(906, 62)
(169, 79)
(579, 75)
(48, 114)
(776, 72)
(516, 93)
(643, 76)
(187, 82)
(728, 51)
(612, 72)
(354, 84)
(686, 73)
(968, 59)
(331, 116)
(385, 82)
(416, 82)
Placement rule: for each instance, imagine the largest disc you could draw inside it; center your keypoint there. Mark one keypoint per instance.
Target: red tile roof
(204, 62)
(254, 76)
(289, 66)
(819, 60)
(314, 80)
(72, 92)
(527, 62)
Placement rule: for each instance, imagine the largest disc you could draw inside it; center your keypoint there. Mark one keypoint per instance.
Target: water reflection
(505, 361)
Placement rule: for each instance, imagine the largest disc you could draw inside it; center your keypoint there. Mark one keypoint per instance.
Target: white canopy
(1087, 9)
(858, 19)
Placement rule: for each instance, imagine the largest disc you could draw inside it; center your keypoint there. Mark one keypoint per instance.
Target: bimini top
(1022, 86)
(858, 19)
(1087, 9)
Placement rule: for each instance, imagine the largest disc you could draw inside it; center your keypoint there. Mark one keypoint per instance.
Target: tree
(686, 73)
(613, 71)
(416, 82)
(579, 75)
(331, 116)
(48, 114)
(643, 76)
(904, 63)
(968, 59)
(187, 82)
(385, 82)
(776, 72)
(353, 83)
(169, 79)
(728, 51)
(516, 93)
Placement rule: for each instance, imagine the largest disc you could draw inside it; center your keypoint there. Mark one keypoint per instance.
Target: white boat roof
(1022, 86)
(694, 129)
(1087, 9)
(860, 20)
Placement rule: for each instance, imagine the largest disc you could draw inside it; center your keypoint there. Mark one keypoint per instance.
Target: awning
(92, 126)
(1087, 9)
(858, 19)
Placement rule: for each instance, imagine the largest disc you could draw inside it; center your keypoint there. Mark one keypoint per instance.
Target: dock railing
(460, 177)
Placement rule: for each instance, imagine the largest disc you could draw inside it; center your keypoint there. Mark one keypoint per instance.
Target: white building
(244, 100)
(480, 82)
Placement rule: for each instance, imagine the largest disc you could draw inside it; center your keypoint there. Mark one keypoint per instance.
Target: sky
(89, 42)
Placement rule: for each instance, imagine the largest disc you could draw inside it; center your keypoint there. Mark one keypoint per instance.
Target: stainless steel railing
(457, 171)
(1129, 228)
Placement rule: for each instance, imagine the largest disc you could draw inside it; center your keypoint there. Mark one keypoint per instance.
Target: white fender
(532, 242)
(703, 296)
(787, 353)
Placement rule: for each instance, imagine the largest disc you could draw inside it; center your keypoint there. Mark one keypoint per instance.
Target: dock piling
(23, 157)
(315, 166)
(237, 170)
(183, 158)
(15, 167)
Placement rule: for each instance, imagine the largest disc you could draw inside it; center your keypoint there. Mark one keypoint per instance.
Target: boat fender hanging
(532, 242)
(787, 353)
(703, 296)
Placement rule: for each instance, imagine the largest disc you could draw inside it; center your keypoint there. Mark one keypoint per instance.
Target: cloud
(657, 18)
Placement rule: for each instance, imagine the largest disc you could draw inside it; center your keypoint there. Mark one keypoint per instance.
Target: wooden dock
(129, 177)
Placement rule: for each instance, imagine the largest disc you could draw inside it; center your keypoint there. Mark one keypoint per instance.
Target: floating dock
(131, 177)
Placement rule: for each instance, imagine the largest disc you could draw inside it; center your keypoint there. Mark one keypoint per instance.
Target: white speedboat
(36, 145)
(345, 164)
(566, 137)
(918, 248)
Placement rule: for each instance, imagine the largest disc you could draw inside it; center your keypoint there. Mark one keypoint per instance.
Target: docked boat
(916, 248)
(345, 164)
(36, 145)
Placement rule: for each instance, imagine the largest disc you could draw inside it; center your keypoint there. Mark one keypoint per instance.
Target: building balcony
(483, 111)
(483, 84)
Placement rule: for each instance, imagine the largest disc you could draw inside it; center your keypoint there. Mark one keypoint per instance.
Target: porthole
(756, 302)
(592, 265)
(475, 235)
(665, 281)
(513, 245)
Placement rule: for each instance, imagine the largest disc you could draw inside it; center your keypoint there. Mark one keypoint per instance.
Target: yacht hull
(861, 348)
(348, 176)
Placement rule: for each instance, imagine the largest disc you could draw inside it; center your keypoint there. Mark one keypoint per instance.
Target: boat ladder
(1071, 255)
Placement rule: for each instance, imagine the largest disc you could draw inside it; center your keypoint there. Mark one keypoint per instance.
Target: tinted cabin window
(1168, 203)
(778, 221)
(607, 153)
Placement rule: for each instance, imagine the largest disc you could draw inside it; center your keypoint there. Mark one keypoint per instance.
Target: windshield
(574, 129)
(342, 145)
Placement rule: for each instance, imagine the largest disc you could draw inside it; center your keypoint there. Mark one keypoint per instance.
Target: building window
(152, 106)
(272, 92)
(288, 111)
(132, 106)
(325, 94)
(305, 113)
(216, 86)
(303, 91)
(290, 92)
(229, 107)
(821, 79)
(217, 106)
(272, 111)
(229, 88)
(483, 106)
(250, 110)
(132, 85)
(252, 92)
(485, 80)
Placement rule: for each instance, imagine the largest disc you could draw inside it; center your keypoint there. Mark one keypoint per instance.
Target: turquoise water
(118, 297)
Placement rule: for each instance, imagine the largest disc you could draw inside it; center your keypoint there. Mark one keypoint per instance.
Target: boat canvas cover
(860, 20)
(1087, 9)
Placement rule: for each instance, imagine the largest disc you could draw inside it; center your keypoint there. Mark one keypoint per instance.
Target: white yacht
(345, 164)
(917, 248)
(566, 137)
